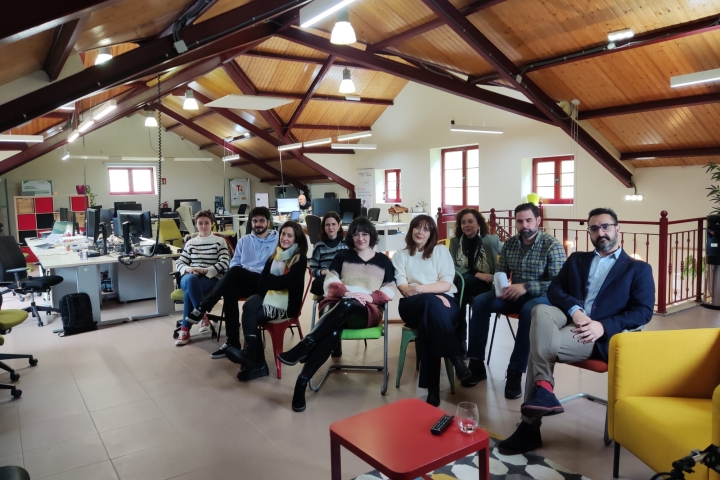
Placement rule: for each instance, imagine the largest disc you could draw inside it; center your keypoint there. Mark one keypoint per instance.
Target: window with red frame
(392, 186)
(554, 179)
(131, 180)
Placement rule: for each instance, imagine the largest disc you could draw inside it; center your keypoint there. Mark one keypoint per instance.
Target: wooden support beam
(64, 40)
(298, 59)
(193, 119)
(337, 128)
(676, 153)
(650, 106)
(326, 98)
(189, 15)
(311, 91)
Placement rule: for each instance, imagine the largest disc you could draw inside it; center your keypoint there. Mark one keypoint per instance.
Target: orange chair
(594, 365)
(512, 332)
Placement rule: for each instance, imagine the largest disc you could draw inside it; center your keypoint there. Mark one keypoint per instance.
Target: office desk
(236, 219)
(146, 278)
(390, 243)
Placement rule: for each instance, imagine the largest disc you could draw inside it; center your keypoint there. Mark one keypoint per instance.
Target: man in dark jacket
(596, 295)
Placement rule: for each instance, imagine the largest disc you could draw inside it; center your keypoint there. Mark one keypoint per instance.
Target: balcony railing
(674, 249)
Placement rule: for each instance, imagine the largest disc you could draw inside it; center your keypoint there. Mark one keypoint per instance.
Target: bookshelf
(78, 205)
(34, 216)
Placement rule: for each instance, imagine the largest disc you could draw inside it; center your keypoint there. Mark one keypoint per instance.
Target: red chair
(594, 365)
(512, 332)
(277, 328)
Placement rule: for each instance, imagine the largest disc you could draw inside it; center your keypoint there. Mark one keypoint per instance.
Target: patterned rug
(502, 467)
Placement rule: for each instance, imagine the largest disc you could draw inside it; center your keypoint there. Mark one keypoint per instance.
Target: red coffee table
(396, 440)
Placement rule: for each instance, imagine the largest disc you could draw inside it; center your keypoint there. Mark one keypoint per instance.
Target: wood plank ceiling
(672, 37)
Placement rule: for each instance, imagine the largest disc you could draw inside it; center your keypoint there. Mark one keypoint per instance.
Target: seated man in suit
(595, 296)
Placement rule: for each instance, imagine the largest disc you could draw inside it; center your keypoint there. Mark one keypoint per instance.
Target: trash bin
(712, 263)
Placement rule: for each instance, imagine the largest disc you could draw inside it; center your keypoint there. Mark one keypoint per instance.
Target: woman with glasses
(281, 288)
(424, 273)
(358, 284)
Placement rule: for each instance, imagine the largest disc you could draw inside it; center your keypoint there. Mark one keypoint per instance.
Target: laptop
(347, 218)
(294, 216)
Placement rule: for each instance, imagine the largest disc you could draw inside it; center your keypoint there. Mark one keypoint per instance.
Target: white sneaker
(183, 338)
(204, 324)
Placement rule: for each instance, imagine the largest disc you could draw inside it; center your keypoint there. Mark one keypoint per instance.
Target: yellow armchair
(664, 396)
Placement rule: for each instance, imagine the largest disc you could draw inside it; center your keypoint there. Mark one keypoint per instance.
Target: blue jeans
(484, 306)
(195, 289)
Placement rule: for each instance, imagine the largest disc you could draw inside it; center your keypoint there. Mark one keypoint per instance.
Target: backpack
(76, 313)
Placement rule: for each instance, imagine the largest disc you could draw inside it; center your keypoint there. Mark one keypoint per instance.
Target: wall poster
(239, 191)
(365, 187)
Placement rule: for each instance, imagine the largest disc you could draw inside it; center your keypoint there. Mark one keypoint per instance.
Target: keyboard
(94, 254)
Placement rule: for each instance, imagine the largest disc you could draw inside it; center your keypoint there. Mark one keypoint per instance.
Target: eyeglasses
(605, 227)
(360, 235)
(260, 220)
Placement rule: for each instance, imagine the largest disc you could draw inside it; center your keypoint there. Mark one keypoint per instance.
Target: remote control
(441, 424)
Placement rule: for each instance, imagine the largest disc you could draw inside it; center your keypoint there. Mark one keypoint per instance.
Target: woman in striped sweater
(324, 251)
(358, 283)
(201, 264)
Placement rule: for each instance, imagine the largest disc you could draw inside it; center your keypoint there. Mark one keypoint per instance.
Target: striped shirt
(323, 254)
(535, 268)
(205, 252)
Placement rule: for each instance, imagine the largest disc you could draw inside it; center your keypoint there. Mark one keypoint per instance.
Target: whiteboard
(262, 200)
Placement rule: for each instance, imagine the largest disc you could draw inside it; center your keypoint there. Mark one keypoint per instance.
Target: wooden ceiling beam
(681, 152)
(188, 16)
(5, 146)
(339, 128)
(193, 119)
(298, 59)
(27, 18)
(650, 106)
(431, 25)
(64, 41)
(501, 63)
(211, 136)
(327, 98)
(311, 91)
(455, 87)
(243, 82)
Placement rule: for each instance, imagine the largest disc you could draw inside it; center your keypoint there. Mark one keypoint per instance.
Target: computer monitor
(350, 205)
(347, 218)
(178, 201)
(287, 205)
(219, 203)
(139, 223)
(320, 206)
(92, 224)
(294, 216)
(195, 206)
(134, 206)
(106, 217)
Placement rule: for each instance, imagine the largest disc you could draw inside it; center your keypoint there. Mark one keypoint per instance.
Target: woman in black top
(281, 288)
(324, 251)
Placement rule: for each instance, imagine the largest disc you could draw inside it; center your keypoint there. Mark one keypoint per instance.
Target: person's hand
(190, 270)
(323, 272)
(513, 292)
(579, 318)
(589, 332)
(485, 277)
(411, 290)
(444, 300)
(363, 298)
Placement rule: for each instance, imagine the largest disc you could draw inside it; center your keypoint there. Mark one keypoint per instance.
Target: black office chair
(242, 209)
(374, 214)
(14, 269)
(314, 227)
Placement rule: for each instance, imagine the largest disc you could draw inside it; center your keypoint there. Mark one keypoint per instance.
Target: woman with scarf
(358, 284)
(281, 284)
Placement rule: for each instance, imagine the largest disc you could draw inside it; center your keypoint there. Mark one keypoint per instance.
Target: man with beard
(595, 296)
(532, 259)
(241, 280)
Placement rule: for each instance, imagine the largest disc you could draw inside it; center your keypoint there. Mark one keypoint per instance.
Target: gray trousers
(551, 341)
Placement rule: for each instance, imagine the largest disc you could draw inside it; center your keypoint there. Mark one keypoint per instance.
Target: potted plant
(91, 196)
(420, 207)
(714, 192)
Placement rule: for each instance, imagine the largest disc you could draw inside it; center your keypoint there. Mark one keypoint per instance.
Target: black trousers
(316, 288)
(328, 332)
(253, 315)
(435, 324)
(236, 283)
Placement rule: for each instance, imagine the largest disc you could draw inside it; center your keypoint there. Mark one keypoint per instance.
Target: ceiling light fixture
(317, 10)
(73, 136)
(352, 98)
(65, 154)
(320, 141)
(231, 158)
(354, 136)
(140, 159)
(190, 103)
(193, 159)
(693, 78)
(347, 85)
(473, 129)
(342, 32)
(104, 54)
(104, 109)
(87, 123)
(67, 107)
(289, 146)
(150, 120)
(353, 146)
(620, 35)
(22, 138)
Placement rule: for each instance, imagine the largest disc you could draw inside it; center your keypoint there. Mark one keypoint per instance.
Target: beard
(605, 246)
(528, 233)
(260, 230)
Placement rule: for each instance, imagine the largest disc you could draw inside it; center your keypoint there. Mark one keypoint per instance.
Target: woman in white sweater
(203, 261)
(424, 274)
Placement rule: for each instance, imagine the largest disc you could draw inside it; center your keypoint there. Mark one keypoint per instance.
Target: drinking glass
(467, 417)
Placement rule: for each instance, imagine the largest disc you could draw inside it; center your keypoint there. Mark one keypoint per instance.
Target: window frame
(456, 208)
(557, 161)
(398, 188)
(130, 169)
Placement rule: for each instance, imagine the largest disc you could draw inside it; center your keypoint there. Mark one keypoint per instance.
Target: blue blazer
(625, 300)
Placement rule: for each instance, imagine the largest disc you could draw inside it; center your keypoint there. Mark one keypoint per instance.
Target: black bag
(76, 312)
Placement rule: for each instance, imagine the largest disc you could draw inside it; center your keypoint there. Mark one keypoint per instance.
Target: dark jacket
(293, 281)
(625, 300)
(490, 243)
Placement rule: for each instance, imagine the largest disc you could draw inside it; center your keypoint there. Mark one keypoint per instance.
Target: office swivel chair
(314, 227)
(186, 217)
(14, 269)
(363, 212)
(13, 472)
(8, 320)
(374, 214)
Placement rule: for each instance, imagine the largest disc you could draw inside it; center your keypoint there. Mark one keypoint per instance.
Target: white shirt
(414, 270)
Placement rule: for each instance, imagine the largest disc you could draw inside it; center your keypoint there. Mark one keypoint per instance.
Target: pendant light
(65, 154)
(104, 54)
(347, 85)
(150, 120)
(342, 32)
(190, 103)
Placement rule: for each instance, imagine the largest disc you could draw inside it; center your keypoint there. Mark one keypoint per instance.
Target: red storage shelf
(44, 205)
(26, 221)
(78, 203)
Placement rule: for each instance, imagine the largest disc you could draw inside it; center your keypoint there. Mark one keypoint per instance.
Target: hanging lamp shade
(343, 32)
(190, 103)
(104, 54)
(150, 120)
(347, 85)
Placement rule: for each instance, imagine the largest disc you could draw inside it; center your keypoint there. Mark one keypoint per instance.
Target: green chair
(8, 320)
(410, 334)
(364, 334)
(169, 232)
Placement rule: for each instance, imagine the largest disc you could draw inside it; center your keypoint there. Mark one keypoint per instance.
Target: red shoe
(204, 324)
(183, 337)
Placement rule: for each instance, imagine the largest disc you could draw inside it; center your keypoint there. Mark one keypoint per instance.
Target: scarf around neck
(275, 303)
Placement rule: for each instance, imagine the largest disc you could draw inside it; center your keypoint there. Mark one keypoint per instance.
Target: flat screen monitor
(287, 205)
(134, 206)
(195, 206)
(219, 203)
(177, 202)
(347, 218)
(294, 216)
(350, 205)
(139, 223)
(106, 217)
(92, 224)
(321, 206)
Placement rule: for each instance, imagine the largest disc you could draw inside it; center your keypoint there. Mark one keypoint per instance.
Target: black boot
(513, 384)
(298, 400)
(337, 351)
(461, 370)
(526, 438)
(259, 370)
(299, 352)
(477, 368)
(197, 314)
(433, 397)
(245, 357)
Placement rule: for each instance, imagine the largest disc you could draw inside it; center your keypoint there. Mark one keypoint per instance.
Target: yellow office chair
(8, 320)
(169, 232)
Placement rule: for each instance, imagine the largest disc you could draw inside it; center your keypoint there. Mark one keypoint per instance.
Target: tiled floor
(124, 402)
